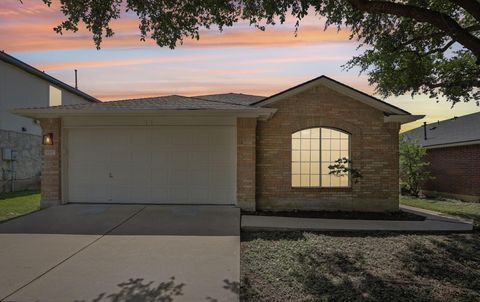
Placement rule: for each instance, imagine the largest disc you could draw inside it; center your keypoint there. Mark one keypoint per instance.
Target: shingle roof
(171, 102)
(232, 98)
(453, 131)
(32, 70)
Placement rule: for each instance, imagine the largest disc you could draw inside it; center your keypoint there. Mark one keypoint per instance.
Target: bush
(413, 167)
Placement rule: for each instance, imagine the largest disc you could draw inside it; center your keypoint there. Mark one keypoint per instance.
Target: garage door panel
(187, 165)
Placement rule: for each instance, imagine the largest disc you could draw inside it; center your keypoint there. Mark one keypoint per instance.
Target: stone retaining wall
(28, 162)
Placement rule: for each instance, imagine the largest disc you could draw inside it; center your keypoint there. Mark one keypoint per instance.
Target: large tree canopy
(411, 46)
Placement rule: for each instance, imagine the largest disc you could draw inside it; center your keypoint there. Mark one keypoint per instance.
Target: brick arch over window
(313, 151)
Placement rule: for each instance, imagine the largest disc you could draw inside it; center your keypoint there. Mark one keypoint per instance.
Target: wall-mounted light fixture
(47, 139)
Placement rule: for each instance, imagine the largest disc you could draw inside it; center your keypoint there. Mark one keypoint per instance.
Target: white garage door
(165, 165)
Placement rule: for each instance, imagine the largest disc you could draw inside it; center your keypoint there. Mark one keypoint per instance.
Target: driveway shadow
(100, 219)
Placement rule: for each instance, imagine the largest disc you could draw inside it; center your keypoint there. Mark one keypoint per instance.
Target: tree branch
(441, 49)
(471, 6)
(440, 20)
(466, 83)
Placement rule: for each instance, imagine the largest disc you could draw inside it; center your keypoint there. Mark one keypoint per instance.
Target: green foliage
(343, 167)
(415, 46)
(413, 167)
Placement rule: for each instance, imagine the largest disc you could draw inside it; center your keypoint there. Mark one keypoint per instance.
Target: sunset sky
(241, 59)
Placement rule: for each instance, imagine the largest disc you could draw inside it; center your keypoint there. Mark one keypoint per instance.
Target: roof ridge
(198, 98)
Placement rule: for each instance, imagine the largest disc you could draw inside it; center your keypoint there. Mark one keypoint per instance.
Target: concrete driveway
(121, 253)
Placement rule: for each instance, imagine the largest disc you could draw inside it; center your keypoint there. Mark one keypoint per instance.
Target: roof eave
(455, 144)
(261, 113)
(402, 118)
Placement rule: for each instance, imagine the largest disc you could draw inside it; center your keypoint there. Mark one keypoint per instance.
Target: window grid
(313, 150)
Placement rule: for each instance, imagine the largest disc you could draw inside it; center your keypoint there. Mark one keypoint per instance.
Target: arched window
(313, 150)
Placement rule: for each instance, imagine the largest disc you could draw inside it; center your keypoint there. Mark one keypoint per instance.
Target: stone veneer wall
(374, 150)
(27, 164)
(51, 165)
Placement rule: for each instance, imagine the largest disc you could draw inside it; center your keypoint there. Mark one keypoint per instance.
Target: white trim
(342, 89)
(402, 118)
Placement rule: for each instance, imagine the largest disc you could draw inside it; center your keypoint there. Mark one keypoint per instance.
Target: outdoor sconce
(47, 139)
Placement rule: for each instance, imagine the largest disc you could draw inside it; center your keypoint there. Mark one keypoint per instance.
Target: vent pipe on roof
(76, 81)
(425, 130)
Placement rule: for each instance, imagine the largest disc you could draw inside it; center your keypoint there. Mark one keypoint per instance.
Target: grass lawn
(469, 210)
(306, 266)
(18, 203)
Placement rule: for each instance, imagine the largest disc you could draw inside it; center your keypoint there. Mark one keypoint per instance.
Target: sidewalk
(434, 222)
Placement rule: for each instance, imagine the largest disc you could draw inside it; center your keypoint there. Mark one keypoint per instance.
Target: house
(21, 85)
(453, 150)
(258, 153)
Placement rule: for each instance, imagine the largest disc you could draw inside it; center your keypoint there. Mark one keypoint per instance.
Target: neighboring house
(21, 85)
(453, 150)
(259, 153)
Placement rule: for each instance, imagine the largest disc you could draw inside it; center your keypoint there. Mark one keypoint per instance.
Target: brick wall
(51, 164)
(374, 150)
(456, 170)
(246, 128)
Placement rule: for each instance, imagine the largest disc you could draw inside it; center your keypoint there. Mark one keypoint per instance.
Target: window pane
(315, 144)
(295, 168)
(335, 134)
(315, 156)
(315, 133)
(295, 180)
(325, 180)
(295, 144)
(315, 180)
(335, 155)
(305, 168)
(344, 181)
(305, 145)
(335, 181)
(335, 144)
(305, 180)
(305, 133)
(325, 169)
(295, 155)
(344, 153)
(325, 155)
(305, 155)
(325, 144)
(315, 168)
(296, 135)
(326, 133)
(343, 135)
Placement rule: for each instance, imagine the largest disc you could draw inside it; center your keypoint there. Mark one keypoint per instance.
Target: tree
(415, 46)
(343, 167)
(413, 167)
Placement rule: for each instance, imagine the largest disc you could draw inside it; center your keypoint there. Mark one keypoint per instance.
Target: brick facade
(264, 156)
(374, 151)
(456, 171)
(51, 164)
(246, 129)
